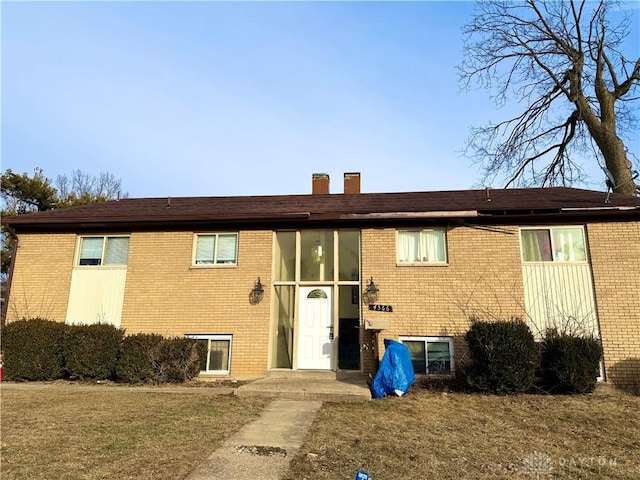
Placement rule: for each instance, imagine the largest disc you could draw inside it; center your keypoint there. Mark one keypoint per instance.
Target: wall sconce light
(257, 293)
(371, 292)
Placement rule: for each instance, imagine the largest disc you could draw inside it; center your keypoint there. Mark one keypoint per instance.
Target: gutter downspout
(14, 251)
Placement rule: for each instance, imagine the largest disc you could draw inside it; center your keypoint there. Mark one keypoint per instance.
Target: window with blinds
(216, 249)
(103, 251)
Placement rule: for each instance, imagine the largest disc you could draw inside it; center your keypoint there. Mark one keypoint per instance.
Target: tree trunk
(616, 161)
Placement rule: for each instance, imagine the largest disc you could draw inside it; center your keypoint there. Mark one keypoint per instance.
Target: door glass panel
(285, 261)
(317, 293)
(282, 338)
(316, 262)
(348, 331)
(349, 254)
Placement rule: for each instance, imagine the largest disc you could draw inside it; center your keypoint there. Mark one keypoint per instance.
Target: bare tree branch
(576, 87)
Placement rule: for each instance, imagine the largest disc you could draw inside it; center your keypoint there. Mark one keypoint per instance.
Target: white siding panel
(97, 296)
(561, 296)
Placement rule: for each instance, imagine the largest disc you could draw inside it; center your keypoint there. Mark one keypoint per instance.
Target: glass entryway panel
(282, 337)
(348, 331)
(316, 262)
(349, 254)
(285, 257)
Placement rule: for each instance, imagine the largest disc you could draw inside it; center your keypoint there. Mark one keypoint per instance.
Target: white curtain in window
(536, 245)
(568, 245)
(219, 355)
(433, 246)
(117, 251)
(227, 248)
(409, 246)
(205, 248)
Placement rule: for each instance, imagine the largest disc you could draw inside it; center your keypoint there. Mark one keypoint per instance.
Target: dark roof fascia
(306, 220)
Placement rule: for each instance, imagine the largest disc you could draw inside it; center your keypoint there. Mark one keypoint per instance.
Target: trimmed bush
(138, 356)
(569, 363)
(91, 351)
(40, 349)
(178, 360)
(33, 350)
(504, 356)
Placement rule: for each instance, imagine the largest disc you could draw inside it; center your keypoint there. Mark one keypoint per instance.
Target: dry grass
(68, 432)
(126, 433)
(459, 436)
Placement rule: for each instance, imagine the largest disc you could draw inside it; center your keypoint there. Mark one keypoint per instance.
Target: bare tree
(23, 194)
(84, 188)
(564, 62)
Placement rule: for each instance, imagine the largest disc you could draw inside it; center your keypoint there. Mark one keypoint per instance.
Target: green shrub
(570, 363)
(91, 351)
(138, 356)
(33, 350)
(504, 356)
(178, 360)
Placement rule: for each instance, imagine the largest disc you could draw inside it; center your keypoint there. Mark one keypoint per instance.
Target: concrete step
(309, 385)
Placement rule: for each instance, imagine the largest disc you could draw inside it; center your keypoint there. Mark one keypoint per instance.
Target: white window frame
(555, 260)
(214, 337)
(426, 341)
(421, 247)
(104, 238)
(215, 263)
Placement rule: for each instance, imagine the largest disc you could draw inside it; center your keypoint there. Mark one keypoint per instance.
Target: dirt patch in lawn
(431, 434)
(66, 432)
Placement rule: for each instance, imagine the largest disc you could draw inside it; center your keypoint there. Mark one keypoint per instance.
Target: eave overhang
(30, 224)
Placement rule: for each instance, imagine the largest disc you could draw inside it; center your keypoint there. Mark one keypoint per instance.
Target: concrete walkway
(262, 449)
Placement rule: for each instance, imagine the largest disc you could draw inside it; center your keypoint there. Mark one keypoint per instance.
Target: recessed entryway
(315, 328)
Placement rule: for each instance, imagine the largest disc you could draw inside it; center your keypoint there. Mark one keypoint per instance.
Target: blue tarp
(395, 375)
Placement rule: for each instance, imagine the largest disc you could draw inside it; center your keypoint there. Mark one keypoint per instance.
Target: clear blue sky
(240, 98)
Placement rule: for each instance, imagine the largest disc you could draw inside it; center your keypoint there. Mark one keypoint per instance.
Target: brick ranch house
(560, 257)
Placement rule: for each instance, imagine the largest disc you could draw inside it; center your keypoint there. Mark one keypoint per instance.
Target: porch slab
(309, 385)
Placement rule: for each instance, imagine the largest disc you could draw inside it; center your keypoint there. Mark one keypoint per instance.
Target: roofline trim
(599, 209)
(25, 220)
(387, 215)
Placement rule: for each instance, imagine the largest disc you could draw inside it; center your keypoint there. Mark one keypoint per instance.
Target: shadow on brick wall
(625, 375)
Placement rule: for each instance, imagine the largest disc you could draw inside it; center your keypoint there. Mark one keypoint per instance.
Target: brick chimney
(320, 184)
(352, 182)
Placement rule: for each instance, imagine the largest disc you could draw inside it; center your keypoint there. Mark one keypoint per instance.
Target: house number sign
(381, 308)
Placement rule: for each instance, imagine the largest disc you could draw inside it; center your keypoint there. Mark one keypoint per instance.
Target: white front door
(315, 329)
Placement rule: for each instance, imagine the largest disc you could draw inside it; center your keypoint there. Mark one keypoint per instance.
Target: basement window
(107, 251)
(217, 359)
(430, 355)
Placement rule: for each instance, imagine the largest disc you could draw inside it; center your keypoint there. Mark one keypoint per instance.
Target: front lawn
(74, 432)
(463, 436)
